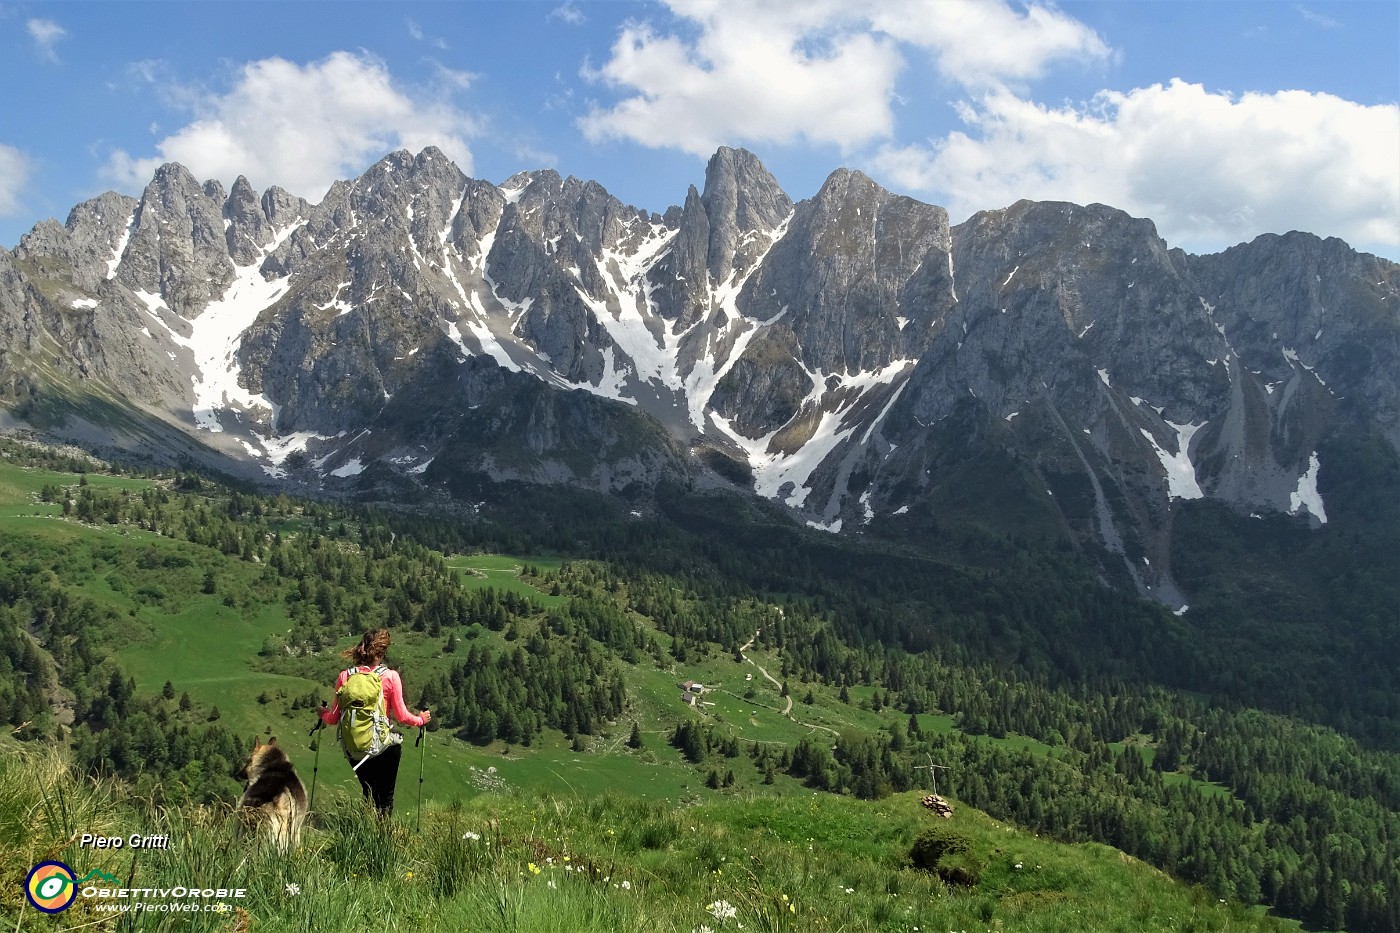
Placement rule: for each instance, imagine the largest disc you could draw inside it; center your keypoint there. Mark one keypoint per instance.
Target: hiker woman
(365, 696)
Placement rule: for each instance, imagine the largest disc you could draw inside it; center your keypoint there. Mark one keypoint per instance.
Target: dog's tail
(285, 824)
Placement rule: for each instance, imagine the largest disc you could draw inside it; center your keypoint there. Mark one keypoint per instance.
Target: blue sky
(1218, 120)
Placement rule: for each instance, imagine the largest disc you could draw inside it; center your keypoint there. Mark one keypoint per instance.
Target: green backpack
(364, 718)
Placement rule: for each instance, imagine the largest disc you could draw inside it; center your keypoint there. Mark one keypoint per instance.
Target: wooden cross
(933, 770)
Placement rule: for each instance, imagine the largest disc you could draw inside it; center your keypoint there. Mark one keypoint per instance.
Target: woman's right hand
(427, 717)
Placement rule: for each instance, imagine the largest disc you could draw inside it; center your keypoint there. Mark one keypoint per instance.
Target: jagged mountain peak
(844, 182)
(822, 343)
(736, 180)
(169, 174)
(1063, 226)
(431, 155)
(741, 198)
(242, 190)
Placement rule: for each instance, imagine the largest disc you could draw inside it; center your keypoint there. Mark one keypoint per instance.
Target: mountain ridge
(816, 345)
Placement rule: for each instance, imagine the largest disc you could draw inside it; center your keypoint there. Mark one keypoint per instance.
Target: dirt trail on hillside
(787, 710)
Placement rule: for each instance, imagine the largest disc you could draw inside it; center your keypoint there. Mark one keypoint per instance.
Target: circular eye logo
(51, 887)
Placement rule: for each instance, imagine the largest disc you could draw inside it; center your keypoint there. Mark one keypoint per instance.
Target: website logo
(51, 887)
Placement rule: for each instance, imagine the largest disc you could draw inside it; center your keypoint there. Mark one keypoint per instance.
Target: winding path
(787, 710)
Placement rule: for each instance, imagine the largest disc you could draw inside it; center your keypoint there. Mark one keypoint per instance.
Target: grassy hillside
(179, 619)
(608, 862)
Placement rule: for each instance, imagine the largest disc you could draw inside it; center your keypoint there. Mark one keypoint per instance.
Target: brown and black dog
(274, 795)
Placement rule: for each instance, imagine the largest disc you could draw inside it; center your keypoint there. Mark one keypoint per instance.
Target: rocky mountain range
(854, 356)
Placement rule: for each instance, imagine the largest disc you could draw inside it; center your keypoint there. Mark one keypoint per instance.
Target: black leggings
(378, 776)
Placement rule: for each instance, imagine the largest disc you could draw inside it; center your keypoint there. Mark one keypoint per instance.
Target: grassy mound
(607, 863)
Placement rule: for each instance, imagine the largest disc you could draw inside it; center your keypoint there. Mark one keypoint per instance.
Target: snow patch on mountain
(120, 250)
(342, 308)
(894, 397)
(352, 468)
(625, 273)
(613, 381)
(215, 337)
(446, 231)
(153, 302)
(776, 470)
(709, 369)
(1306, 496)
(1181, 475)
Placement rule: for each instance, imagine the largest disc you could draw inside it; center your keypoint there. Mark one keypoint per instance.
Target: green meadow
(214, 625)
(609, 862)
(503, 573)
(208, 645)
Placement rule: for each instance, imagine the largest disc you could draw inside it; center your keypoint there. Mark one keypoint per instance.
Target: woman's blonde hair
(371, 649)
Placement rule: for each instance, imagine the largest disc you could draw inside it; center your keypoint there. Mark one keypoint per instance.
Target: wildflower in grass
(534, 869)
(702, 929)
(723, 910)
(551, 884)
(471, 835)
(850, 890)
(626, 885)
(293, 888)
(408, 876)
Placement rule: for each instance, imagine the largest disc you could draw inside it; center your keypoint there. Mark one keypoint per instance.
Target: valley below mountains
(1106, 531)
(1047, 369)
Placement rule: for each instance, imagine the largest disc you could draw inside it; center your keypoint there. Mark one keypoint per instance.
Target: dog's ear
(272, 741)
(257, 744)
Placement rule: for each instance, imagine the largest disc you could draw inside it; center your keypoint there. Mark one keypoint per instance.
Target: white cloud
(822, 71)
(452, 78)
(304, 126)
(416, 33)
(46, 33)
(988, 42)
(757, 73)
(568, 13)
(15, 168)
(147, 70)
(1209, 168)
(1316, 18)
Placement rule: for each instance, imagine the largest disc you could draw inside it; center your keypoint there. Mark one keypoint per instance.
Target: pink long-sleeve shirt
(392, 686)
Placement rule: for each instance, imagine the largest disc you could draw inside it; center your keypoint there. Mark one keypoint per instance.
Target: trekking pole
(316, 761)
(422, 753)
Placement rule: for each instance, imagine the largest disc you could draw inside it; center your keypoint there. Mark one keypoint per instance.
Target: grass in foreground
(610, 862)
